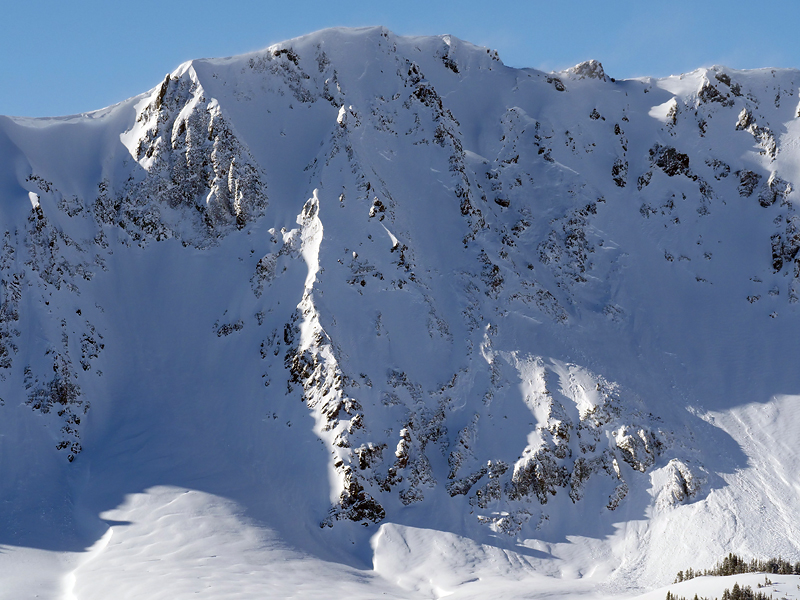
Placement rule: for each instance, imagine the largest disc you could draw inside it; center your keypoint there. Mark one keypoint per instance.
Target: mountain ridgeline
(395, 278)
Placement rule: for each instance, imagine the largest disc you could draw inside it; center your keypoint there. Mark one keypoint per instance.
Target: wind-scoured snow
(362, 315)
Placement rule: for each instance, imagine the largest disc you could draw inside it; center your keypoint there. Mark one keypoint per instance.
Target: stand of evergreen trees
(736, 593)
(736, 565)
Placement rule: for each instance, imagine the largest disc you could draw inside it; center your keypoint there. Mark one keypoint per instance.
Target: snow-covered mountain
(363, 314)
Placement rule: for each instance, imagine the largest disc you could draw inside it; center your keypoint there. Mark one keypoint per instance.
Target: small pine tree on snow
(736, 592)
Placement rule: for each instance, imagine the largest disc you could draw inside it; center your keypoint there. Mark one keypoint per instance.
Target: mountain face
(364, 286)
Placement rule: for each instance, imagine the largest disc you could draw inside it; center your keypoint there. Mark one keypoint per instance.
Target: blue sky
(66, 57)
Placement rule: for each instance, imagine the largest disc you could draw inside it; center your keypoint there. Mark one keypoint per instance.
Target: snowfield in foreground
(363, 316)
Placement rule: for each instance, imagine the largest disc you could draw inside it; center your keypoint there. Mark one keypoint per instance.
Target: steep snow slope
(384, 302)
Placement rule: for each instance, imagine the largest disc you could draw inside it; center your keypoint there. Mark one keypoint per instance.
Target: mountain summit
(382, 296)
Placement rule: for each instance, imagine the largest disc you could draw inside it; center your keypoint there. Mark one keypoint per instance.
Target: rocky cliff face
(493, 290)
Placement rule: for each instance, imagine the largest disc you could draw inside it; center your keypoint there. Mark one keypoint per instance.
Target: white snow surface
(365, 316)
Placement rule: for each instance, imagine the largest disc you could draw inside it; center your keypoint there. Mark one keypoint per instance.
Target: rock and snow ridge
(357, 278)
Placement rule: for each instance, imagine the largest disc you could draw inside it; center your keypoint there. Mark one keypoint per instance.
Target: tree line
(736, 593)
(736, 565)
